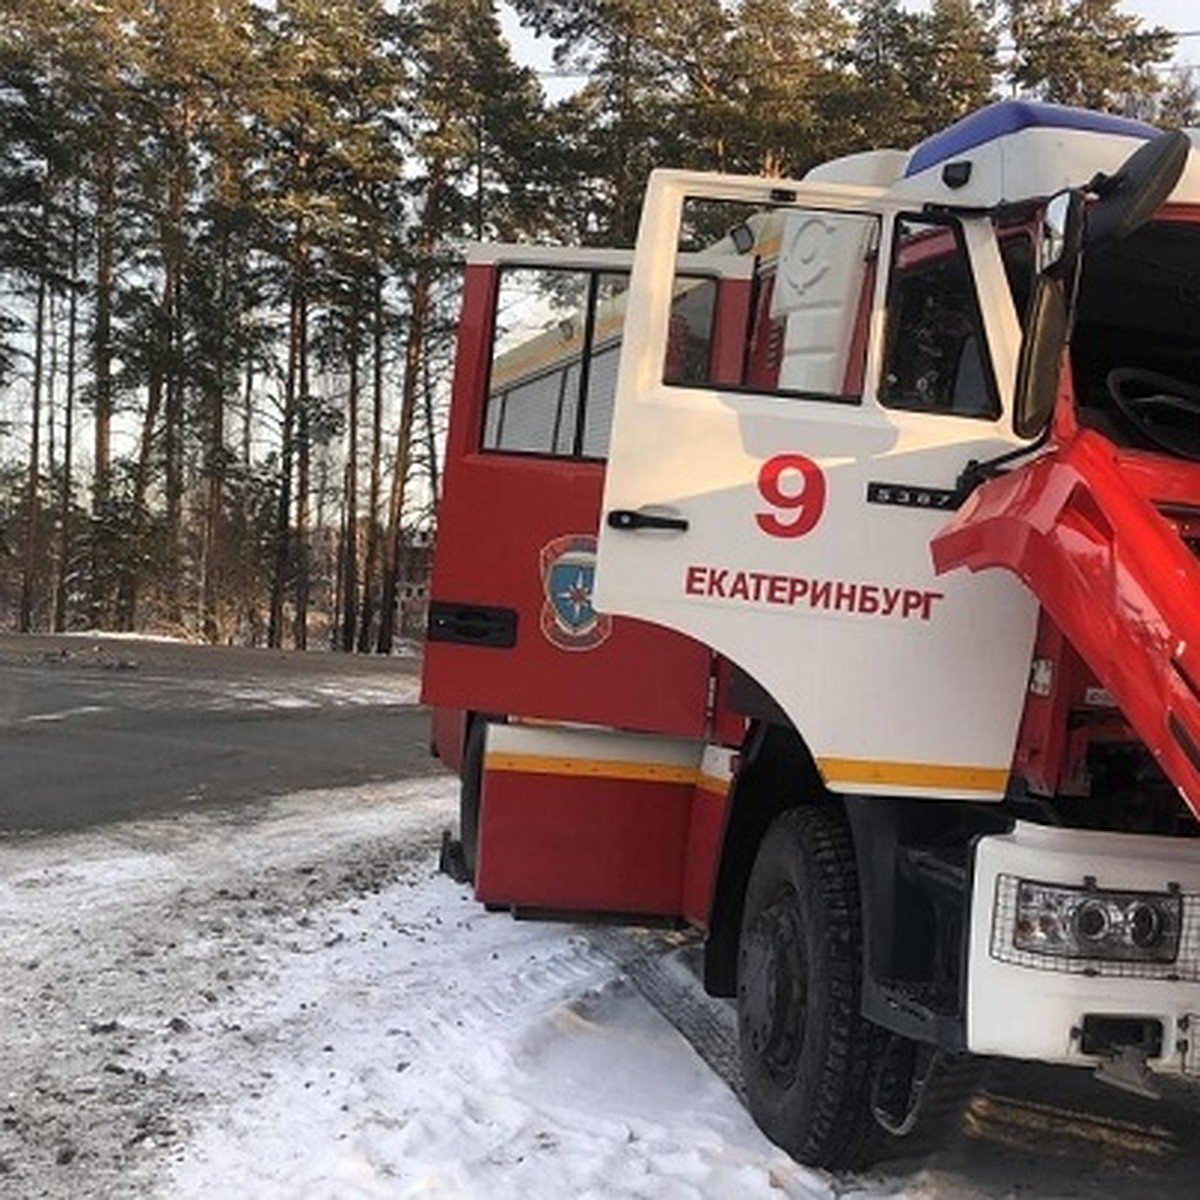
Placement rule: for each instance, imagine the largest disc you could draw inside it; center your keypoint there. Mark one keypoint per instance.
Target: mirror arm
(979, 471)
(1102, 184)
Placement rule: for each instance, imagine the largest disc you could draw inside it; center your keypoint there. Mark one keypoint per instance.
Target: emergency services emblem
(568, 567)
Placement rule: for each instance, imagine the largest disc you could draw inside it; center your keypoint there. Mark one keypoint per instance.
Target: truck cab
(924, 500)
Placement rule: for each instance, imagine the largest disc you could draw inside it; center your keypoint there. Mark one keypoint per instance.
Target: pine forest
(231, 232)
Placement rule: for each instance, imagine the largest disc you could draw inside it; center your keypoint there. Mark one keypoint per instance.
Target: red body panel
(639, 677)
(498, 514)
(584, 844)
(448, 733)
(706, 832)
(1081, 527)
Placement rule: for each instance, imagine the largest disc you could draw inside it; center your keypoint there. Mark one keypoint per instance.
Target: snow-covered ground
(286, 1000)
(293, 1002)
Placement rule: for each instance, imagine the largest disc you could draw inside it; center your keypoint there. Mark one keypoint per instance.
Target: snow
(292, 1002)
(387, 691)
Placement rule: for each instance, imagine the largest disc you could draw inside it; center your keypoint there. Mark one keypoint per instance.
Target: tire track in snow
(665, 968)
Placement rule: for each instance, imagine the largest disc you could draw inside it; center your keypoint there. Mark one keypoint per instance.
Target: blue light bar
(1011, 116)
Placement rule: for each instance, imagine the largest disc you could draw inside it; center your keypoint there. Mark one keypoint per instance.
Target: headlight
(1092, 923)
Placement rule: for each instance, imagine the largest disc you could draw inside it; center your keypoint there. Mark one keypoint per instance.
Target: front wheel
(808, 1055)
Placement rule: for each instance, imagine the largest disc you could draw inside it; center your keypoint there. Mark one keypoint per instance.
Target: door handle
(633, 519)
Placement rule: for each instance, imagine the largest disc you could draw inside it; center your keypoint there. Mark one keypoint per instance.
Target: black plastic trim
(472, 624)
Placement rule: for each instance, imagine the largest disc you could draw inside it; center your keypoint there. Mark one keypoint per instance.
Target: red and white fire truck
(703, 647)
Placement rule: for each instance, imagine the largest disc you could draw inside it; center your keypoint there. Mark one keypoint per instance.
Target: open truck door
(783, 518)
(904, 373)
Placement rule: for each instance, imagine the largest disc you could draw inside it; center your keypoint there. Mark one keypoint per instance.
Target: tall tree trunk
(371, 566)
(173, 251)
(393, 555)
(414, 351)
(51, 377)
(248, 560)
(102, 356)
(429, 417)
(65, 522)
(173, 479)
(283, 513)
(211, 550)
(130, 581)
(414, 355)
(303, 564)
(214, 499)
(303, 500)
(348, 558)
(32, 488)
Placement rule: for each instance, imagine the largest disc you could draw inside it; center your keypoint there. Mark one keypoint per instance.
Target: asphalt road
(94, 730)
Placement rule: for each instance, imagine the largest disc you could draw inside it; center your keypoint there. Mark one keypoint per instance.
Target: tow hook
(1126, 1069)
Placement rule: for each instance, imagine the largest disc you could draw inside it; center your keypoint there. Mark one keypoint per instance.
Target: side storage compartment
(590, 820)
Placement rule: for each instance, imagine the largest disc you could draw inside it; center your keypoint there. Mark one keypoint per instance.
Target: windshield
(1135, 350)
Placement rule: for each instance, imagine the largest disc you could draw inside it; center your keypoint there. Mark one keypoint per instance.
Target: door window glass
(808, 275)
(935, 352)
(555, 352)
(541, 338)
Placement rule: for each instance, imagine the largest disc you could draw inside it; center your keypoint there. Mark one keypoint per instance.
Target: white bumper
(1028, 1006)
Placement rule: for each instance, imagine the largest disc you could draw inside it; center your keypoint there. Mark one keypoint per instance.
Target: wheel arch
(776, 772)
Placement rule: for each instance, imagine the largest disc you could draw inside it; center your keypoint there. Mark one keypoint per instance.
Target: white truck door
(782, 513)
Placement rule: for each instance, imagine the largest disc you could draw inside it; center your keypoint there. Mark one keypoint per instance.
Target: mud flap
(451, 859)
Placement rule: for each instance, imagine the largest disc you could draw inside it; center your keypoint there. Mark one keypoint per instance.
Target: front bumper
(1028, 1006)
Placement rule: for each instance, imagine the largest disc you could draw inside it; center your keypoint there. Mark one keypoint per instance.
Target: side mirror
(1127, 199)
(1047, 329)
(1048, 322)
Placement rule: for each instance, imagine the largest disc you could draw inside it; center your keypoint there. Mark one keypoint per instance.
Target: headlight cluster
(1092, 923)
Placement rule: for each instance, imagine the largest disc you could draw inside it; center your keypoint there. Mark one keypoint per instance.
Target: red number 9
(777, 486)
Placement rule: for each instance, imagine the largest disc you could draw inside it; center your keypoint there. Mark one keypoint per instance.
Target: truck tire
(808, 1056)
(470, 792)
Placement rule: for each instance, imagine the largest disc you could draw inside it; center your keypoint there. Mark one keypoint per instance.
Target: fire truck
(823, 574)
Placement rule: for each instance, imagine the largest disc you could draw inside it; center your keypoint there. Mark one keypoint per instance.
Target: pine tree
(796, 101)
(41, 140)
(619, 125)
(952, 63)
(1179, 102)
(478, 170)
(1085, 52)
(322, 60)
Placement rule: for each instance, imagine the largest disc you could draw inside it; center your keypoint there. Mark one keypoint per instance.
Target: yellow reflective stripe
(594, 768)
(863, 772)
(933, 776)
(712, 783)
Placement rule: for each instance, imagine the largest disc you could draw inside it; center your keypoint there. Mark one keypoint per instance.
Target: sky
(1176, 15)
(1180, 16)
